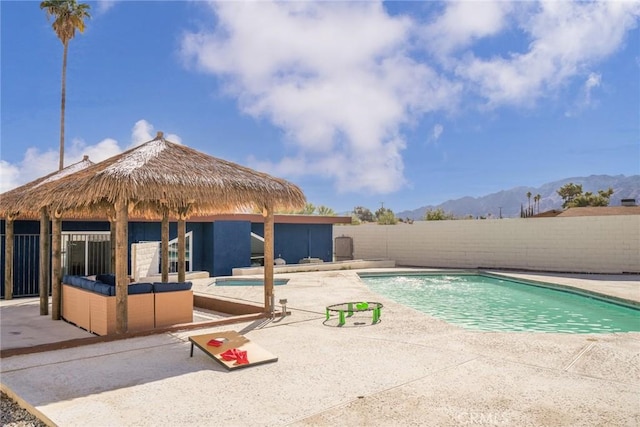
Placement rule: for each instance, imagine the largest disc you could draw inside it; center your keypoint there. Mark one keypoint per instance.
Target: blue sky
(358, 103)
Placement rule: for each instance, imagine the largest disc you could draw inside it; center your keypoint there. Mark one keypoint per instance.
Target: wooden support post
(182, 230)
(164, 246)
(267, 213)
(43, 273)
(56, 265)
(112, 244)
(8, 258)
(122, 278)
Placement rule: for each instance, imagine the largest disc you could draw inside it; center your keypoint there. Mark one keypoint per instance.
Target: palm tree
(325, 211)
(536, 200)
(68, 16)
(308, 209)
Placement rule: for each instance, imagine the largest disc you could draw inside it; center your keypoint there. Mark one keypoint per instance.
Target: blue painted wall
(218, 247)
(231, 246)
(293, 242)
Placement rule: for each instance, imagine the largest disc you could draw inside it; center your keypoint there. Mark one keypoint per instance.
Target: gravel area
(12, 415)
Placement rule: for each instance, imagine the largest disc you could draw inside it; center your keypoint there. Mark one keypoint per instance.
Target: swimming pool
(492, 303)
(246, 282)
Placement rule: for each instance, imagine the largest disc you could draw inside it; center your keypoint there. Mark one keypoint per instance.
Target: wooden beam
(111, 216)
(112, 245)
(268, 259)
(8, 258)
(164, 246)
(43, 272)
(56, 265)
(122, 277)
(182, 230)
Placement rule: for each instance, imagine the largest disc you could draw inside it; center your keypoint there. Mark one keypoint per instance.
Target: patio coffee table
(348, 309)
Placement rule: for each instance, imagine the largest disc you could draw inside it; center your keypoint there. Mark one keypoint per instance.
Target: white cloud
(594, 80)
(462, 23)
(340, 79)
(143, 131)
(36, 163)
(436, 133)
(105, 5)
(9, 176)
(335, 76)
(98, 152)
(565, 39)
(585, 100)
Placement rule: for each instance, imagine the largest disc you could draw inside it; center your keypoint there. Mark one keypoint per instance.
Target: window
(86, 253)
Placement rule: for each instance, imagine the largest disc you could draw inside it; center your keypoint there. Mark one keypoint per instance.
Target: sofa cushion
(171, 286)
(75, 281)
(109, 279)
(140, 288)
(104, 289)
(85, 283)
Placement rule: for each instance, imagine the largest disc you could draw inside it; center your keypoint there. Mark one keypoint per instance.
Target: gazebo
(10, 211)
(159, 180)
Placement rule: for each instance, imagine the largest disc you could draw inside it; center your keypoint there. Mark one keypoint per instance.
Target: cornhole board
(231, 339)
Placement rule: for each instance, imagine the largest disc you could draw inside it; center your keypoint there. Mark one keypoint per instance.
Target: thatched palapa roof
(9, 199)
(160, 174)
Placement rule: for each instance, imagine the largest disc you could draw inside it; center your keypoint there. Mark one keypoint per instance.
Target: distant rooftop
(591, 211)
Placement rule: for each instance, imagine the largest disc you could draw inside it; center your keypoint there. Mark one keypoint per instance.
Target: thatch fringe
(9, 200)
(160, 174)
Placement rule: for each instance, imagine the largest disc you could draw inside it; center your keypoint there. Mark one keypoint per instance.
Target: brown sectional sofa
(91, 304)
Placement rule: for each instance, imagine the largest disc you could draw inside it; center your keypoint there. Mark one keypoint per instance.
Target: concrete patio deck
(410, 369)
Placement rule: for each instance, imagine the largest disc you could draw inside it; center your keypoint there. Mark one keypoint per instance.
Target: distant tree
(529, 208)
(438, 215)
(386, 217)
(603, 198)
(355, 220)
(382, 212)
(536, 201)
(568, 192)
(589, 199)
(69, 16)
(308, 209)
(574, 197)
(363, 214)
(325, 211)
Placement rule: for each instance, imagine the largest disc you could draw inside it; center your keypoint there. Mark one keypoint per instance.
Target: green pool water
(494, 304)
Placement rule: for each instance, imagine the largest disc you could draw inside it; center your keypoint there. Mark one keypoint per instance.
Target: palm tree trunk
(62, 104)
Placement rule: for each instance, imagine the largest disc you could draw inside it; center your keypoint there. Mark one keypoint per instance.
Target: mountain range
(508, 202)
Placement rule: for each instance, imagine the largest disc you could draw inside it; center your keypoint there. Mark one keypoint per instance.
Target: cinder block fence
(596, 244)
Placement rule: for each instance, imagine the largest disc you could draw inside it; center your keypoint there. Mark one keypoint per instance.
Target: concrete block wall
(144, 259)
(597, 244)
